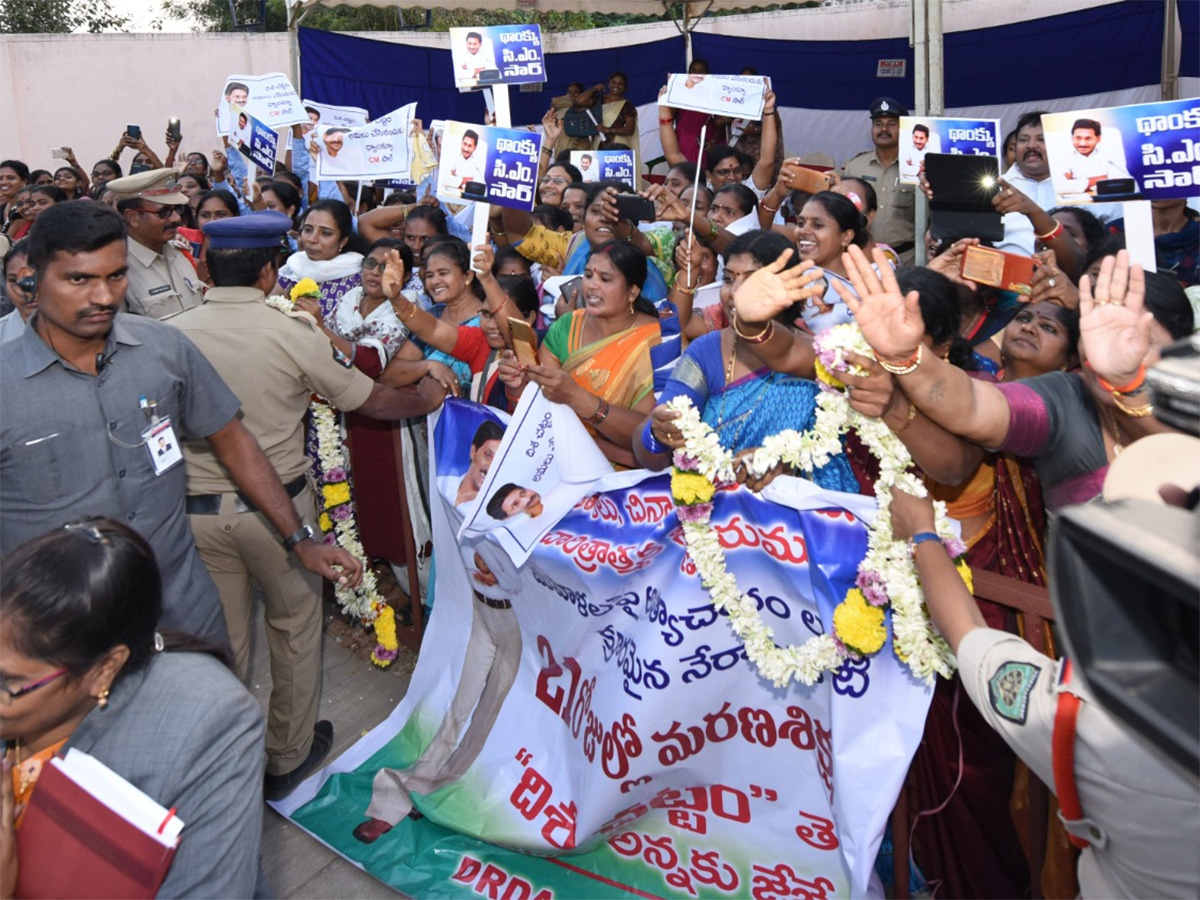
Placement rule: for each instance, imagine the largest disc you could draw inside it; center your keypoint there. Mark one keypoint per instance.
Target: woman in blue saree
(741, 399)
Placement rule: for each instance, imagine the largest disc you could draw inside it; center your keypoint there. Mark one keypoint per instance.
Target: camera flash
(988, 182)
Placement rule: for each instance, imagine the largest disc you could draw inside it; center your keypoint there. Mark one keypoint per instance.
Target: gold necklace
(969, 331)
(1118, 444)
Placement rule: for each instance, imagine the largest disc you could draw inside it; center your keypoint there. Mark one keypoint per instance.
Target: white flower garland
(886, 572)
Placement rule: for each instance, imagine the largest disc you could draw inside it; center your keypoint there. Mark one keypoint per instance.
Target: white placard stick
(695, 193)
(358, 197)
(1139, 234)
(479, 229)
(503, 111)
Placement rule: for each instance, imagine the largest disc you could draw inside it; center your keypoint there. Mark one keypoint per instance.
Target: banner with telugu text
(586, 724)
(1147, 151)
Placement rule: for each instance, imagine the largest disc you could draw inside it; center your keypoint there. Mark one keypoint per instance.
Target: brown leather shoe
(372, 830)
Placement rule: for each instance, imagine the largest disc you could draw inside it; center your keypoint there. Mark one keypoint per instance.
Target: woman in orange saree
(597, 359)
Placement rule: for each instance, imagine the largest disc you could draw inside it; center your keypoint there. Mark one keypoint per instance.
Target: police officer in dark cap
(894, 223)
(274, 361)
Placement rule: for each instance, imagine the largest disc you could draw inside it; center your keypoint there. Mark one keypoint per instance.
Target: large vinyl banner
(586, 724)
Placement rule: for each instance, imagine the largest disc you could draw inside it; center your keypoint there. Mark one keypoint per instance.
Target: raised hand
(890, 321)
(772, 289)
(552, 127)
(482, 261)
(511, 373)
(1009, 199)
(687, 262)
(1114, 327)
(949, 263)
(664, 112)
(1050, 284)
(668, 207)
(394, 276)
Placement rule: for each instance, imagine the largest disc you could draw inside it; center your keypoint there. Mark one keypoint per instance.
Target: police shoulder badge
(1009, 689)
(341, 358)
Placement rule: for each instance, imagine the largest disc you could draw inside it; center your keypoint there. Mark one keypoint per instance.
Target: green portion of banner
(424, 859)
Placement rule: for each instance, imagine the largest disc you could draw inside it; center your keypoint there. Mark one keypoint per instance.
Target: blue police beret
(260, 229)
(886, 106)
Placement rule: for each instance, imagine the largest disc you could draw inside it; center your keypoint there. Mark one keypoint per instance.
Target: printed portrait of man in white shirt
(1094, 158)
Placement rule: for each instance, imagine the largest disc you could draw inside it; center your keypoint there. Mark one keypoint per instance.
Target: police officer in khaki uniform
(894, 223)
(1138, 816)
(273, 362)
(162, 280)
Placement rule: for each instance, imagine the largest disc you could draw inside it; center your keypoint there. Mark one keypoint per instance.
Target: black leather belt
(210, 504)
(494, 604)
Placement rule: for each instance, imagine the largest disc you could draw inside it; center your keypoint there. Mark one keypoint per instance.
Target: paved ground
(356, 697)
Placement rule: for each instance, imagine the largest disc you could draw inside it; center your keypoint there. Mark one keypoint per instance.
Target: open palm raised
(890, 321)
(772, 289)
(1114, 328)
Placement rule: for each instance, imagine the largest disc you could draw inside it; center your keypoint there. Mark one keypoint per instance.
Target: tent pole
(1170, 58)
(936, 85)
(687, 37)
(919, 41)
(295, 16)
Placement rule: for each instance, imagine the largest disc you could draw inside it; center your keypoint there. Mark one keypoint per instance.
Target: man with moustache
(894, 224)
(1023, 195)
(162, 280)
(1026, 191)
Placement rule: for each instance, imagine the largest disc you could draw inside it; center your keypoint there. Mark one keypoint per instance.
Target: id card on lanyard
(159, 438)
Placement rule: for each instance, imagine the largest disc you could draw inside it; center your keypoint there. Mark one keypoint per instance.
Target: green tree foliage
(58, 16)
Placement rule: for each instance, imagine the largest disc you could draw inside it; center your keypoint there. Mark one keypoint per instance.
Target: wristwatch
(303, 534)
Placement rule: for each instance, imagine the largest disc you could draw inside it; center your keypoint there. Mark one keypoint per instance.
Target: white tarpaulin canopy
(643, 7)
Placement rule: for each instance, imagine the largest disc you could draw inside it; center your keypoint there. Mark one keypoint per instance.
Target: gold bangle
(412, 311)
(684, 289)
(912, 414)
(908, 366)
(1136, 412)
(759, 338)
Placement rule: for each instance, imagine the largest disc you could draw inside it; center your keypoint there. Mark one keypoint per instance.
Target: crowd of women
(1012, 407)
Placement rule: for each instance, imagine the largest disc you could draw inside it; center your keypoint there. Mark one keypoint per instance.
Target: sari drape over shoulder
(615, 368)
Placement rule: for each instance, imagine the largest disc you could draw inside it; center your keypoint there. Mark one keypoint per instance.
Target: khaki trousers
(239, 549)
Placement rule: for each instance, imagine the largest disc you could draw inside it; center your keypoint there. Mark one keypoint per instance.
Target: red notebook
(71, 843)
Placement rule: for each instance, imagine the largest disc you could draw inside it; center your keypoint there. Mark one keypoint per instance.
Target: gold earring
(102, 700)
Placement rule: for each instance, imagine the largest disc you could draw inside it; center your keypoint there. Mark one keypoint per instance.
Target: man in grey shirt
(86, 392)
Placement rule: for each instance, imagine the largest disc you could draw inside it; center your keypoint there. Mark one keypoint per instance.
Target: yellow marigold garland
(859, 624)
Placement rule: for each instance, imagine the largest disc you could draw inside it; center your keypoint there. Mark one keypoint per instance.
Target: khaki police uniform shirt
(894, 223)
(1141, 817)
(161, 284)
(273, 362)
